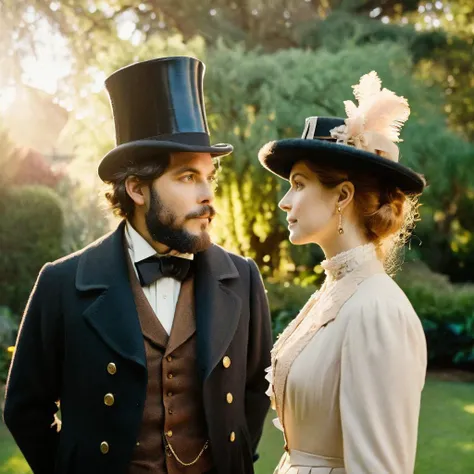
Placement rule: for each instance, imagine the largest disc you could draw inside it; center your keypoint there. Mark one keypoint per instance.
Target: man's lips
(205, 218)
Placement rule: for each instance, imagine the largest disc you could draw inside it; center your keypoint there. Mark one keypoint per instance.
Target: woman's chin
(297, 239)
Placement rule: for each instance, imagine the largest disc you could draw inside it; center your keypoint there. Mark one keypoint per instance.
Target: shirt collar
(141, 249)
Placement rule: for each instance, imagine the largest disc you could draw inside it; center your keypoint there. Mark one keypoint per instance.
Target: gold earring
(340, 229)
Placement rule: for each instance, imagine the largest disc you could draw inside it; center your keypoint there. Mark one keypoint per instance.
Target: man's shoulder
(238, 260)
(70, 261)
(245, 266)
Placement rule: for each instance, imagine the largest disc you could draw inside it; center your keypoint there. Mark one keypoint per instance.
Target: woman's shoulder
(378, 296)
(380, 317)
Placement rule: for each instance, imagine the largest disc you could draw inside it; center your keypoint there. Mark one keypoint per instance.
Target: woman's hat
(158, 106)
(365, 140)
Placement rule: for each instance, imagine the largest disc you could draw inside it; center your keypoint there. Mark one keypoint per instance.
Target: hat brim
(280, 156)
(141, 150)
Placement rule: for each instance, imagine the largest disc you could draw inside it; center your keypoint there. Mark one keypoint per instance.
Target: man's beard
(161, 224)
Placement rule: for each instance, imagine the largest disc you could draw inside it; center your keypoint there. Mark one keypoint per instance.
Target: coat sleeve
(34, 378)
(383, 368)
(258, 358)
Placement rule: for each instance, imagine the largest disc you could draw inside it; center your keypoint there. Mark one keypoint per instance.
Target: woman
(347, 373)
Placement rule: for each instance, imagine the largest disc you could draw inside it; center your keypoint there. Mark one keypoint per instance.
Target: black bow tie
(153, 268)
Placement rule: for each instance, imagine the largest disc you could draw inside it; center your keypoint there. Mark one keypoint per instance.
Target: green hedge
(447, 313)
(31, 228)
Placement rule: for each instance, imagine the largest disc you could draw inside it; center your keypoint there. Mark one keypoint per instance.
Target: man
(153, 340)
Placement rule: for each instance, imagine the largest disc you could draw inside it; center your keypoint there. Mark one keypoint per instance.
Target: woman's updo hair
(387, 214)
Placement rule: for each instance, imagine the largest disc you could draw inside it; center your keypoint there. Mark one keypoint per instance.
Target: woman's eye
(297, 185)
(188, 178)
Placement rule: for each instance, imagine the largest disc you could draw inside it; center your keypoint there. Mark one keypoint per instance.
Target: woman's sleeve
(383, 366)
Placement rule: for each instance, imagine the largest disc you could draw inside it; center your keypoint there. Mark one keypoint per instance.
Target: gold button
(232, 437)
(169, 433)
(170, 412)
(111, 368)
(138, 443)
(109, 399)
(169, 358)
(104, 447)
(226, 362)
(170, 376)
(170, 394)
(230, 398)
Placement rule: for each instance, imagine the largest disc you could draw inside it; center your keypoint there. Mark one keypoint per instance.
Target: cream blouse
(348, 372)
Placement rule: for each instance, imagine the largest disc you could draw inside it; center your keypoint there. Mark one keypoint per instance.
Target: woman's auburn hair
(387, 214)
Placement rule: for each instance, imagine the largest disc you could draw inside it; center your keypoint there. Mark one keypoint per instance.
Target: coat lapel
(217, 306)
(184, 323)
(113, 314)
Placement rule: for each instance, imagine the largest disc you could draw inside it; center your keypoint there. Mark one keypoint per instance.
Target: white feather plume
(379, 110)
(369, 86)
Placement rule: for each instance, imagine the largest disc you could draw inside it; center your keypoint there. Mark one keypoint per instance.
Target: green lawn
(446, 438)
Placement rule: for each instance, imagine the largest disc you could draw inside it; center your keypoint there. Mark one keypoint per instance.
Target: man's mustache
(205, 211)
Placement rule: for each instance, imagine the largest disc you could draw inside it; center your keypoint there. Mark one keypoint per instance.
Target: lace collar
(343, 263)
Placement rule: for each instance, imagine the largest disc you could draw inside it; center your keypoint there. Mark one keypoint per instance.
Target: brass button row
(226, 362)
(109, 400)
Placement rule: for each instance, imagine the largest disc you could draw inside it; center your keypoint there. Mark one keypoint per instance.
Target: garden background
(270, 64)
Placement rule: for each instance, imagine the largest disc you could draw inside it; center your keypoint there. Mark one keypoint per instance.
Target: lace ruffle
(346, 262)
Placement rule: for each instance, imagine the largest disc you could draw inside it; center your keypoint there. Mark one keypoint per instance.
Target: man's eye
(188, 178)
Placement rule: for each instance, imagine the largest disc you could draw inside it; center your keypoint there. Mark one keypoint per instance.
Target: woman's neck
(351, 238)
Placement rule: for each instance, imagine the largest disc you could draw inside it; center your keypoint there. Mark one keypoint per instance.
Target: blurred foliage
(8, 328)
(31, 227)
(8, 163)
(85, 216)
(86, 25)
(286, 300)
(446, 311)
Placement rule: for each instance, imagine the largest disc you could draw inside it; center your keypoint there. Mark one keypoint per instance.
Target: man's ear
(137, 190)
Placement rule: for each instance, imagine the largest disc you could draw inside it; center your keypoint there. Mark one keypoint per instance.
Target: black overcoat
(81, 316)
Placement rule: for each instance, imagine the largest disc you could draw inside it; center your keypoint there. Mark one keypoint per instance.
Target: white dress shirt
(163, 294)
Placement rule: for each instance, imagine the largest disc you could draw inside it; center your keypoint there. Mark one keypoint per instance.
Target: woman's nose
(284, 204)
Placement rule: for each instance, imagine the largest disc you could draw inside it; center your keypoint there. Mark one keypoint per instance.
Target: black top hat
(158, 106)
(364, 141)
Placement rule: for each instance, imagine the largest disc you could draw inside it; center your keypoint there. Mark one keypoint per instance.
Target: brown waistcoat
(173, 412)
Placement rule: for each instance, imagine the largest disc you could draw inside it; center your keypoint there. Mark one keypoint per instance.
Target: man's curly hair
(118, 199)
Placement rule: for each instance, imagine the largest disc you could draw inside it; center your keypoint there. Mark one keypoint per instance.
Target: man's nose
(206, 194)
